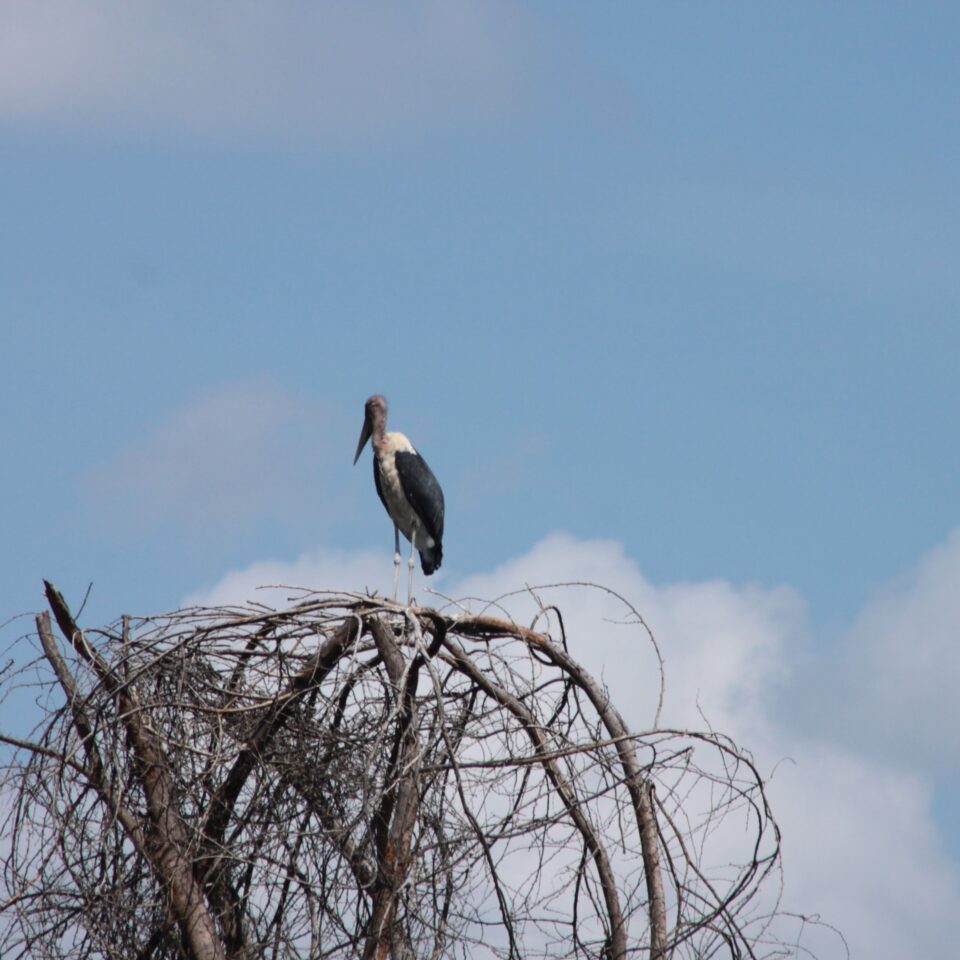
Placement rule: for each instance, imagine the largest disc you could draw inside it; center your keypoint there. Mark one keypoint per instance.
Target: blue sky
(679, 277)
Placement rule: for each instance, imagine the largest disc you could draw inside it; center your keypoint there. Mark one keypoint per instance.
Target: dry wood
(347, 777)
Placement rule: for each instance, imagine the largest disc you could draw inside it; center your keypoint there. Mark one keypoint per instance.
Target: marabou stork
(407, 488)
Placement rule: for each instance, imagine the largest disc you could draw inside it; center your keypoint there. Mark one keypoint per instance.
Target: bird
(408, 490)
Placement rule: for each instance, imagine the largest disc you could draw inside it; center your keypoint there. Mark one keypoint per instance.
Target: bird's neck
(379, 431)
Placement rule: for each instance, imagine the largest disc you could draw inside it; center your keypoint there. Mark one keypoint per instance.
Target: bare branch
(347, 777)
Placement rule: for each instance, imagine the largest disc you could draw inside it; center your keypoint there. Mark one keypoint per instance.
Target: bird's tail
(430, 559)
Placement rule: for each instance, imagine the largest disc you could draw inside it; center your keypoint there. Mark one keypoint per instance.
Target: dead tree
(347, 777)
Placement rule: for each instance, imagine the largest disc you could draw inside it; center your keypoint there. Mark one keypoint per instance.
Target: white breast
(397, 504)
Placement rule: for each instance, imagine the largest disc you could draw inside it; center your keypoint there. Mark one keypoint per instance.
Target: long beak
(365, 435)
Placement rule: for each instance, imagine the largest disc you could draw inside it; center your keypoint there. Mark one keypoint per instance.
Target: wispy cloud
(900, 667)
(859, 831)
(277, 582)
(289, 68)
(219, 461)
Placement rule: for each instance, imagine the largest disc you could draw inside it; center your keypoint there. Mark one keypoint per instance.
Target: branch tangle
(291, 792)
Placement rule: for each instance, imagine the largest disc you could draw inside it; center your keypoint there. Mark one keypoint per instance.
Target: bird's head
(374, 419)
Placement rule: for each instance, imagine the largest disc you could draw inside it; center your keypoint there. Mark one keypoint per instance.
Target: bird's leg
(396, 560)
(410, 562)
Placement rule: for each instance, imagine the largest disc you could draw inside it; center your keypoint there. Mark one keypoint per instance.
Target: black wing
(422, 490)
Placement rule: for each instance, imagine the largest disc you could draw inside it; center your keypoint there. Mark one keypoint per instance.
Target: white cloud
(221, 458)
(290, 67)
(276, 583)
(862, 848)
(725, 645)
(901, 670)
